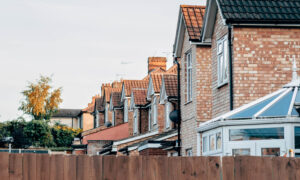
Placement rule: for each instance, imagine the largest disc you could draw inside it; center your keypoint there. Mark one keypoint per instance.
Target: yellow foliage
(39, 101)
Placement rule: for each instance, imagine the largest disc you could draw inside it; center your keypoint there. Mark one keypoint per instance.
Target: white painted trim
(114, 149)
(272, 103)
(230, 113)
(149, 145)
(132, 104)
(200, 43)
(150, 90)
(116, 143)
(178, 32)
(132, 148)
(123, 93)
(293, 101)
(221, 13)
(166, 137)
(163, 96)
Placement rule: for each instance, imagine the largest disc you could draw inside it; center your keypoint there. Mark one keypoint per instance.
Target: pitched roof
(99, 104)
(193, 18)
(113, 133)
(156, 81)
(172, 69)
(140, 96)
(91, 106)
(131, 84)
(258, 11)
(67, 113)
(108, 92)
(116, 99)
(170, 81)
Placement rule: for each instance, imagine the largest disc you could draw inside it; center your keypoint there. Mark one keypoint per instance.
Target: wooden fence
(82, 167)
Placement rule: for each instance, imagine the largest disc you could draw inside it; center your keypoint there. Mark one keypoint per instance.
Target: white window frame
(113, 118)
(149, 118)
(207, 135)
(135, 124)
(154, 110)
(97, 118)
(189, 74)
(222, 58)
(106, 113)
(189, 152)
(167, 113)
(126, 110)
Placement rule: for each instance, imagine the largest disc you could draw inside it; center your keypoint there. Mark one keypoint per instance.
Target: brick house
(195, 61)
(243, 52)
(116, 108)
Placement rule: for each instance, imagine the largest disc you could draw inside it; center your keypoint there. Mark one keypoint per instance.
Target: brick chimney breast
(157, 62)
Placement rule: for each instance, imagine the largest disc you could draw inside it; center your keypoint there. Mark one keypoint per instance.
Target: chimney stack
(156, 62)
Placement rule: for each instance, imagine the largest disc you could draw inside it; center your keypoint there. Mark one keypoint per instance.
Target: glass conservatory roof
(282, 103)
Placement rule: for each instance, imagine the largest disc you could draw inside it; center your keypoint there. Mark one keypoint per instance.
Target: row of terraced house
(236, 58)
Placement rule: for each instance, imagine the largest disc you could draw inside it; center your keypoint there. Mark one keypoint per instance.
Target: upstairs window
(222, 51)
(154, 110)
(135, 124)
(125, 111)
(189, 76)
(106, 114)
(113, 118)
(167, 112)
(149, 118)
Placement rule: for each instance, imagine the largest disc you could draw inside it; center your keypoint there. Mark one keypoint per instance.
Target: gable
(163, 95)
(150, 90)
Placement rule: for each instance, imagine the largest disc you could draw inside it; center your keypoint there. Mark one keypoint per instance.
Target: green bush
(15, 129)
(63, 135)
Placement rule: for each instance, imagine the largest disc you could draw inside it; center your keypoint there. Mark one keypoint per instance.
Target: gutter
(230, 67)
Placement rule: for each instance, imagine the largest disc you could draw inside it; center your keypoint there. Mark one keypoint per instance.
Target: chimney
(104, 85)
(156, 62)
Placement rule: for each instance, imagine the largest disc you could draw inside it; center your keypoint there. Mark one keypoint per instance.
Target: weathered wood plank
(56, 167)
(213, 167)
(135, 168)
(15, 166)
(96, 168)
(29, 166)
(42, 166)
(83, 167)
(4, 165)
(122, 167)
(200, 167)
(70, 167)
(284, 168)
(174, 169)
(228, 168)
(109, 168)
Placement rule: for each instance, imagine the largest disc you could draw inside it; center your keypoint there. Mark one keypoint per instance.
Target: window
(189, 152)
(113, 118)
(205, 143)
(219, 141)
(105, 114)
(222, 51)
(189, 76)
(149, 118)
(297, 137)
(270, 152)
(241, 152)
(96, 123)
(212, 142)
(256, 134)
(154, 109)
(125, 110)
(167, 112)
(135, 125)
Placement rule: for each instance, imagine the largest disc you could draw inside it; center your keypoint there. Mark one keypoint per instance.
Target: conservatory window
(256, 134)
(270, 151)
(212, 142)
(205, 143)
(297, 137)
(219, 141)
(241, 152)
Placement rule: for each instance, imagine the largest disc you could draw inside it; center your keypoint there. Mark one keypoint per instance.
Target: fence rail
(83, 167)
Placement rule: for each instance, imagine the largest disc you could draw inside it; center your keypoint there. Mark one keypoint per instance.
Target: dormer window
(154, 111)
(167, 112)
(135, 124)
(189, 76)
(222, 51)
(125, 110)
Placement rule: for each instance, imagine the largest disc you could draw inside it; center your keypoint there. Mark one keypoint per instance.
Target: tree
(41, 100)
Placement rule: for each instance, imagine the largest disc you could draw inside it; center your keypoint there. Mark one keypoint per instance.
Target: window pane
(241, 152)
(256, 134)
(204, 144)
(270, 151)
(212, 142)
(297, 137)
(219, 141)
(220, 71)
(220, 47)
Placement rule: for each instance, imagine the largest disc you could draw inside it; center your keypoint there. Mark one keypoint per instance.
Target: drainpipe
(230, 66)
(179, 104)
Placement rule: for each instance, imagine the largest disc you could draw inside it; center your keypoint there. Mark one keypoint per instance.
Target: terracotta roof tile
(156, 80)
(131, 84)
(91, 106)
(140, 96)
(108, 92)
(170, 84)
(155, 71)
(193, 18)
(172, 69)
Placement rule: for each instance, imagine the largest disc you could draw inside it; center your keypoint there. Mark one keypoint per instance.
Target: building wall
(220, 95)
(88, 121)
(119, 116)
(143, 112)
(262, 60)
(70, 122)
(153, 152)
(95, 146)
(101, 119)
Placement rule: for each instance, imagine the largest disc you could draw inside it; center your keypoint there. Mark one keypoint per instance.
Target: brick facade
(119, 116)
(153, 152)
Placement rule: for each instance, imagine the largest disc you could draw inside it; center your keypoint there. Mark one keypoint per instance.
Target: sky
(80, 44)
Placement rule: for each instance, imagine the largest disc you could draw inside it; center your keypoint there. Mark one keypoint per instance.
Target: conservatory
(269, 126)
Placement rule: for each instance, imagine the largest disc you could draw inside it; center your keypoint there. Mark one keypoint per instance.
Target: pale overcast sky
(82, 43)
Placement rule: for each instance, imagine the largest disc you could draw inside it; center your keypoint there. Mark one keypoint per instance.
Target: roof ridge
(192, 6)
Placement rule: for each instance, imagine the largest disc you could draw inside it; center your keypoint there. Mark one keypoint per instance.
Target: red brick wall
(144, 120)
(220, 95)
(101, 119)
(262, 60)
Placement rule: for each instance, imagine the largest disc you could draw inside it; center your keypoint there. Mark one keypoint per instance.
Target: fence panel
(228, 168)
(56, 167)
(70, 167)
(135, 168)
(284, 168)
(96, 168)
(4, 165)
(42, 167)
(109, 167)
(29, 166)
(174, 170)
(15, 166)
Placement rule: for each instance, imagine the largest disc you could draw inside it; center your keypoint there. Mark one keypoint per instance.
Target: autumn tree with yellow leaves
(41, 100)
